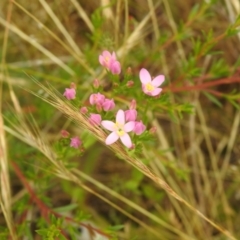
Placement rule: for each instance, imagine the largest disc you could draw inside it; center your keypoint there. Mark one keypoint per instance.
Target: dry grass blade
(5, 191)
(83, 14)
(82, 121)
(37, 46)
(61, 28)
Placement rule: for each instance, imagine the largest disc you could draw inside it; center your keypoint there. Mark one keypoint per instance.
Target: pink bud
(83, 110)
(130, 115)
(73, 85)
(96, 98)
(95, 119)
(139, 128)
(65, 134)
(69, 93)
(129, 71)
(75, 142)
(115, 67)
(133, 104)
(132, 147)
(99, 107)
(96, 83)
(152, 130)
(130, 84)
(108, 104)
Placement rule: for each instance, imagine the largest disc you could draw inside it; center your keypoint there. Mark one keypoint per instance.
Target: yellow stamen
(149, 87)
(120, 132)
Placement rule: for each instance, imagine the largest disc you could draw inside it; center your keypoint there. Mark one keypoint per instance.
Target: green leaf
(212, 99)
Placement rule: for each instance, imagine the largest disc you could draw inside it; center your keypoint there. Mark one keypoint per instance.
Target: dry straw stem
(81, 120)
(5, 191)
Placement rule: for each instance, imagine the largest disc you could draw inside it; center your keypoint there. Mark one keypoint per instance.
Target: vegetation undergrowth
(119, 120)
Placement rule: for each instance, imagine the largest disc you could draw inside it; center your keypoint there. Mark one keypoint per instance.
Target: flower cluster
(109, 61)
(75, 142)
(126, 121)
(101, 102)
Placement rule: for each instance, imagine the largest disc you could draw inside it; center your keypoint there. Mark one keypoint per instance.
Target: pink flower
(75, 142)
(119, 129)
(115, 67)
(108, 105)
(96, 98)
(130, 115)
(149, 86)
(69, 93)
(110, 62)
(95, 119)
(106, 59)
(139, 128)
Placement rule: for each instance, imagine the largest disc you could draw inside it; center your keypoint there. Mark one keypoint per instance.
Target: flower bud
(99, 107)
(133, 104)
(75, 142)
(96, 83)
(108, 105)
(70, 93)
(130, 115)
(95, 119)
(153, 130)
(129, 71)
(73, 85)
(130, 84)
(83, 110)
(139, 128)
(65, 134)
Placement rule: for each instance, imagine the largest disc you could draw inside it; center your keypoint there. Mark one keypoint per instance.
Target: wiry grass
(198, 176)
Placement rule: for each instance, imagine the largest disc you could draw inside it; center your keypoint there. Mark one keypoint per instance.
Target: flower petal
(107, 54)
(156, 91)
(112, 138)
(109, 125)
(144, 75)
(128, 127)
(157, 81)
(126, 140)
(120, 118)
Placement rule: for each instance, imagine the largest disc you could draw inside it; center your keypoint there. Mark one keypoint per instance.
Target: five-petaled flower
(119, 129)
(149, 86)
(75, 142)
